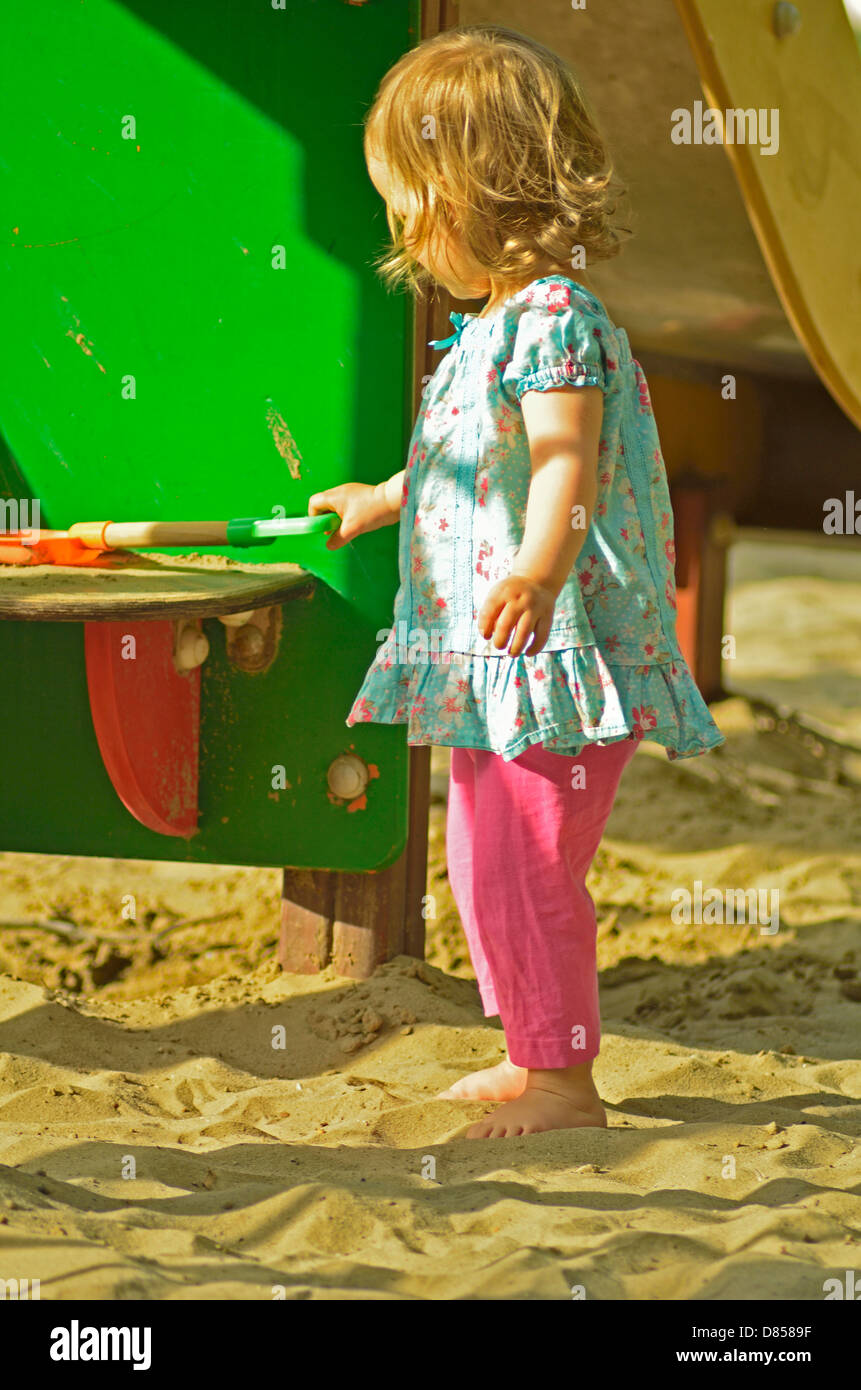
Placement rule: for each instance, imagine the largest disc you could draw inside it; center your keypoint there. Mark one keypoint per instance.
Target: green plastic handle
(261, 530)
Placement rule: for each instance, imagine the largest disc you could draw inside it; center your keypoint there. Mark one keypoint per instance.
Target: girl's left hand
(521, 606)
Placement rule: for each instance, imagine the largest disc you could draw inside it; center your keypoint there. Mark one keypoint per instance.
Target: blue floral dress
(611, 668)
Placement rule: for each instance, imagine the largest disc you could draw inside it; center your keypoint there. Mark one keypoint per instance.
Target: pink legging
(520, 837)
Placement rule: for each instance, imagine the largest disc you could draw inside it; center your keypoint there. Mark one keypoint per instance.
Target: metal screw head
(250, 642)
(192, 648)
(786, 19)
(347, 777)
(236, 619)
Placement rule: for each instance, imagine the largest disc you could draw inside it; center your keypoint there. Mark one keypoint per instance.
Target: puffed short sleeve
(556, 341)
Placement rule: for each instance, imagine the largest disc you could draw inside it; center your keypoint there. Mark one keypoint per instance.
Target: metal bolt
(250, 642)
(192, 649)
(236, 619)
(347, 777)
(252, 638)
(786, 19)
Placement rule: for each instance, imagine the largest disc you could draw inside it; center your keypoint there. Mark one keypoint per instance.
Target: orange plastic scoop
(49, 548)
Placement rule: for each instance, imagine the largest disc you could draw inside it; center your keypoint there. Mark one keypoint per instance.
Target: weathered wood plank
(146, 586)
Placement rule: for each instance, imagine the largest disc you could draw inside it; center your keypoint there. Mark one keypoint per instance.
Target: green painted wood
(155, 365)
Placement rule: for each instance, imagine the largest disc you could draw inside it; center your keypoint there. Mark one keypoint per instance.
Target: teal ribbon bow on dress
(459, 321)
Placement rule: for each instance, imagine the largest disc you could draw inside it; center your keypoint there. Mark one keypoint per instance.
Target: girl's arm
(360, 506)
(390, 491)
(563, 428)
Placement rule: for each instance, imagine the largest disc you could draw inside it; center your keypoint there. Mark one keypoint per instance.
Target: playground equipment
(194, 329)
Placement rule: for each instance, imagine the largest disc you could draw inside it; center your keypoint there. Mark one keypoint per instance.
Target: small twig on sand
(193, 922)
(68, 930)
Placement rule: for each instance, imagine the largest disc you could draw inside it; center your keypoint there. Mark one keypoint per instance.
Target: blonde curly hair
(489, 134)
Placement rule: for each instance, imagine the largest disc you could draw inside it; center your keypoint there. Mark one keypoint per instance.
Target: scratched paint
(283, 440)
(83, 342)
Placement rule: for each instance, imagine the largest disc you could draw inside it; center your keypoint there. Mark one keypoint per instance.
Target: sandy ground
(180, 1120)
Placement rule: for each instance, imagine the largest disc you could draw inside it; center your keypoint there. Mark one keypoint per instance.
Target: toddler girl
(536, 540)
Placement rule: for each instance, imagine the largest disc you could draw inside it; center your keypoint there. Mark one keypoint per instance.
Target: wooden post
(354, 922)
(700, 584)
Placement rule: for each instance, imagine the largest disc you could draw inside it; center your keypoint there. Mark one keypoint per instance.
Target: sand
(282, 1129)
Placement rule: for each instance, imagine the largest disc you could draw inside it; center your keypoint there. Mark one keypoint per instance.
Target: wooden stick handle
(117, 535)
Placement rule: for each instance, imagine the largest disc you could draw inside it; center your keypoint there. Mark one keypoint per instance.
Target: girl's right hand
(360, 506)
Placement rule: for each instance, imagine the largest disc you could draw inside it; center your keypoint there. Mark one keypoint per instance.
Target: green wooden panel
(153, 360)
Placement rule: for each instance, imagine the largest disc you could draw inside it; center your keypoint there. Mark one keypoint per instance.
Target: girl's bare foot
(505, 1081)
(563, 1098)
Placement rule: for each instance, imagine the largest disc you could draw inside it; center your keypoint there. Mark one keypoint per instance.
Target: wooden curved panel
(804, 201)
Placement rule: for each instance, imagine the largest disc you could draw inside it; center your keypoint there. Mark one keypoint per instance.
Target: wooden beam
(356, 921)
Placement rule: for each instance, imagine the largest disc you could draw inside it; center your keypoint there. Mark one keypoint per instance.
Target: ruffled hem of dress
(564, 700)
